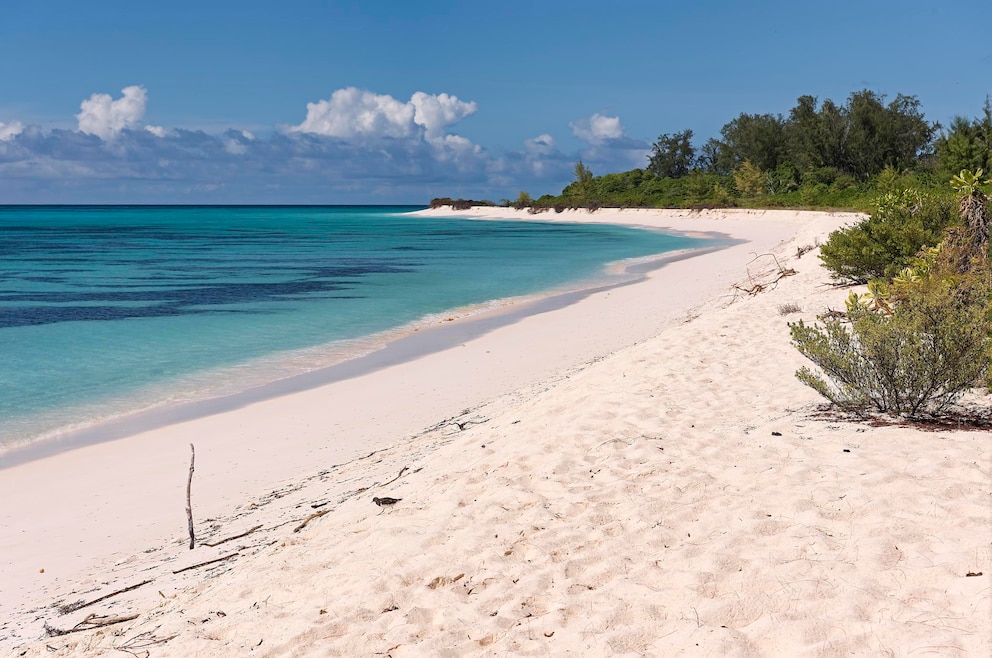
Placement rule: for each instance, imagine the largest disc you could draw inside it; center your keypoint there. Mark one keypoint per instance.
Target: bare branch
(72, 607)
(224, 541)
(189, 505)
(203, 564)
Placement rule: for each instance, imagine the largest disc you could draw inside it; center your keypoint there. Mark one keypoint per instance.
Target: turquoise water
(108, 310)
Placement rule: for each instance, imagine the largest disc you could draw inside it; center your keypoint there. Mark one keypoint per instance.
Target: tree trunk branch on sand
(189, 505)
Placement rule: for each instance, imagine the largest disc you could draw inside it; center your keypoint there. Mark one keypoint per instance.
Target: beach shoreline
(667, 364)
(431, 334)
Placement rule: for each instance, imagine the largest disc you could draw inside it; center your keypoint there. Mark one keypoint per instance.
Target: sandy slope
(635, 474)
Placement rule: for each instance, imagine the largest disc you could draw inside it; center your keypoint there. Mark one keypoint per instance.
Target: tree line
(820, 154)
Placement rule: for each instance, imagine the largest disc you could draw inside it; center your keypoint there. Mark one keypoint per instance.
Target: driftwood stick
(189, 506)
(72, 607)
(224, 541)
(315, 515)
(203, 564)
(88, 624)
(402, 471)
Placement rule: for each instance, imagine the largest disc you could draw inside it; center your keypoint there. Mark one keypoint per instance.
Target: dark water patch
(228, 293)
(39, 315)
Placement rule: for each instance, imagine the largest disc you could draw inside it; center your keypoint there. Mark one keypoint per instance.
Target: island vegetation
(921, 336)
(823, 155)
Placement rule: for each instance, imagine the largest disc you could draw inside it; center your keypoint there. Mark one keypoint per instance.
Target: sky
(381, 101)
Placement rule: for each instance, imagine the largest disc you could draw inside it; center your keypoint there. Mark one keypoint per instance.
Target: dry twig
(227, 539)
(402, 471)
(203, 564)
(760, 286)
(92, 621)
(79, 605)
(141, 642)
(315, 515)
(189, 506)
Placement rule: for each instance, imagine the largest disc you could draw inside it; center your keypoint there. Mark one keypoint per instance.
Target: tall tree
(966, 144)
(861, 137)
(815, 137)
(712, 158)
(759, 138)
(673, 156)
(880, 136)
(582, 187)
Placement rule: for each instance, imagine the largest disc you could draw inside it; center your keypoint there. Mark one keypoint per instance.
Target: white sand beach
(634, 473)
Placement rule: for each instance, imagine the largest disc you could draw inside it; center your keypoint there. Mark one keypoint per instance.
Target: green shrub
(750, 180)
(880, 246)
(813, 194)
(913, 358)
(522, 201)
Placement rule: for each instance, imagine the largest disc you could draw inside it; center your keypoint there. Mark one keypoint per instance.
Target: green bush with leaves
(914, 357)
(880, 246)
(750, 180)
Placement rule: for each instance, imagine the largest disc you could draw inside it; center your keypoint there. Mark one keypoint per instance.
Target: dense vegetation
(922, 334)
(819, 155)
(882, 245)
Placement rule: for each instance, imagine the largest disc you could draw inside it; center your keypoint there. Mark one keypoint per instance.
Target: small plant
(973, 207)
(787, 309)
(806, 248)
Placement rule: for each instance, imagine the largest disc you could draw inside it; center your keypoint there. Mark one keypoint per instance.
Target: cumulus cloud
(435, 113)
(10, 130)
(105, 117)
(609, 148)
(356, 114)
(540, 145)
(597, 129)
(353, 112)
(356, 146)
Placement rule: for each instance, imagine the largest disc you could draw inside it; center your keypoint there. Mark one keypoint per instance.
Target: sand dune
(638, 473)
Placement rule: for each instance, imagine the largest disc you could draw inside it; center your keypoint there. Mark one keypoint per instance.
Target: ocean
(106, 311)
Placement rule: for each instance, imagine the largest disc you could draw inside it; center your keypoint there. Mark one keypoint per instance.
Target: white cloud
(540, 145)
(435, 113)
(352, 113)
(104, 117)
(10, 130)
(356, 114)
(597, 129)
(235, 147)
(352, 145)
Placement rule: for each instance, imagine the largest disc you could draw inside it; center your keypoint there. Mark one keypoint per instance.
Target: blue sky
(308, 101)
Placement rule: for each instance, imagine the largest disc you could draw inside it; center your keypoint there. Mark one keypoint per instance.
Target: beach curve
(601, 478)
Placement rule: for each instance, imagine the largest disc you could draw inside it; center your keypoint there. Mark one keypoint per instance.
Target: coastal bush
(914, 344)
(913, 357)
(522, 201)
(880, 246)
(750, 180)
(457, 204)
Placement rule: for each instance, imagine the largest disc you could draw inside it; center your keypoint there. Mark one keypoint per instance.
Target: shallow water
(108, 310)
